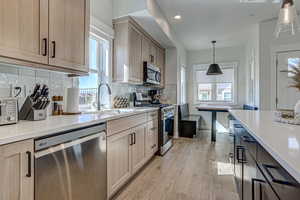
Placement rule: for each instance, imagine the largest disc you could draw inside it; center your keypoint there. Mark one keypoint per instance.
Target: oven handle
(63, 146)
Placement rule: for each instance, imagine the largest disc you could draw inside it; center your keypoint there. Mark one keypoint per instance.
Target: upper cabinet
(160, 62)
(53, 33)
(24, 29)
(67, 35)
(132, 47)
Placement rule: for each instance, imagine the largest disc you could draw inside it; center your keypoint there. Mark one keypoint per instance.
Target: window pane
(224, 91)
(293, 62)
(204, 92)
(94, 54)
(88, 92)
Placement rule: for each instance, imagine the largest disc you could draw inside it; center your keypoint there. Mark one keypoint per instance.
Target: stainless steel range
(166, 129)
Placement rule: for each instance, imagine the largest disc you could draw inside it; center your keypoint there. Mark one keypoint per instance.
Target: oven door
(168, 128)
(152, 76)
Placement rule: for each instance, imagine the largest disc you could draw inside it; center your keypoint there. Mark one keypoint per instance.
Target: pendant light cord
(214, 51)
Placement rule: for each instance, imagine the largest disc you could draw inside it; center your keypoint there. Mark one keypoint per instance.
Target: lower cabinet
(258, 176)
(16, 171)
(128, 151)
(118, 160)
(151, 140)
(138, 147)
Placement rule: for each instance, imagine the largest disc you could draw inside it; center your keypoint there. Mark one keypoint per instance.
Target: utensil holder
(28, 112)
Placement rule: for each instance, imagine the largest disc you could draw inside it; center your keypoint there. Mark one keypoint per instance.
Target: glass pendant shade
(214, 69)
(288, 21)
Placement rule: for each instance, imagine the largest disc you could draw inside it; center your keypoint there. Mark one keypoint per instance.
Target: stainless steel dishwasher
(72, 165)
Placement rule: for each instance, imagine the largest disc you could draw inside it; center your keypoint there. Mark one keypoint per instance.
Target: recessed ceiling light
(177, 17)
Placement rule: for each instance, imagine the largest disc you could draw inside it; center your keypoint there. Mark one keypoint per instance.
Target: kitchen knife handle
(29, 164)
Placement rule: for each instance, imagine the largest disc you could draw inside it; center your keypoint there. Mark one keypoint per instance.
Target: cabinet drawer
(284, 185)
(118, 125)
(250, 143)
(152, 115)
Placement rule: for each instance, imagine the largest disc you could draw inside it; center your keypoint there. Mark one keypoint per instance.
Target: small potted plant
(296, 84)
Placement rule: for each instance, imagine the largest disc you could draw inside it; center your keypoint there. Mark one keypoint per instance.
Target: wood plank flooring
(194, 169)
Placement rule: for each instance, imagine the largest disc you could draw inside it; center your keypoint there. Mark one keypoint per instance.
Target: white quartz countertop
(54, 124)
(282, 141)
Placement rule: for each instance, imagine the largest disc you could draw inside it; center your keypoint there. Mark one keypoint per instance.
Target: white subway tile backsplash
(26, 78)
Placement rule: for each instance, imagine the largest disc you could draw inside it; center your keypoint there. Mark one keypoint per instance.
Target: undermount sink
(113, 111)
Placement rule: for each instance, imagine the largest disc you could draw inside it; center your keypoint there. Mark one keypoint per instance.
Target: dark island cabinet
(258, 175)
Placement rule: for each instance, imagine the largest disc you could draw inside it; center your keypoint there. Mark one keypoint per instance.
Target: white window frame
(224, 65)
(183, 84)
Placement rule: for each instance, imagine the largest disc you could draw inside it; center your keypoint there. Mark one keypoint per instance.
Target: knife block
(28, 112)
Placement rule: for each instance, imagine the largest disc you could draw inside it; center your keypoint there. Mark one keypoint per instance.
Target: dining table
(214, 109)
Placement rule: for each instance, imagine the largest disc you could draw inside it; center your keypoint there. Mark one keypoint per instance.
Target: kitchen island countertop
(281, 140)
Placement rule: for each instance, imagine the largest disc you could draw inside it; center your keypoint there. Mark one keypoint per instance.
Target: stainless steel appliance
(8, 111)
(166, 127)
(72, 165)
(152, 74)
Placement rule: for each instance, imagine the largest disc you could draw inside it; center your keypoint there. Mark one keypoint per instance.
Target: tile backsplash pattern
(26, 78)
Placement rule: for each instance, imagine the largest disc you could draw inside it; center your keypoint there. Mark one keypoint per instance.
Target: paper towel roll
(72, 100)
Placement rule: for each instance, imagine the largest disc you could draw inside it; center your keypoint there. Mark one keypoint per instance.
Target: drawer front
(118, 125)
(284, 185)
(152, 115)
(250, 143)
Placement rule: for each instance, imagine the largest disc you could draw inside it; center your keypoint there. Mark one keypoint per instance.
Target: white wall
(269, 45)
(103, 11)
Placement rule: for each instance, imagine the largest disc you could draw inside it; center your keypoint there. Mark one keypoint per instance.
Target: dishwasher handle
(66, 145)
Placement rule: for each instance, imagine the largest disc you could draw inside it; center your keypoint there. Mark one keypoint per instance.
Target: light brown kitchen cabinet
(151, 139)
(160, 62)
(24, 29)
(17, 171)
(119, 160)
(67, 35)
(132, 47)
(153, 53)
(146, 49)
(135, 56)
(138, 147)
(127, 147)
(53, 33)
(128, 65)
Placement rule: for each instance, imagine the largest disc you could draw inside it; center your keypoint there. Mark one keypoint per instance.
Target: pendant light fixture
(214, 69)
(288, 19)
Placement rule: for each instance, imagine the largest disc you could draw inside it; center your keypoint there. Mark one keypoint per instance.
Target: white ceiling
(226, 21)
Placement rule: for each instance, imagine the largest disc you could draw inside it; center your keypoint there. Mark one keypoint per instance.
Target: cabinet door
(146, 48)
(138, 147)
(153, 53)
(151, 139)
(16, 171)
(118, 160)
(68, 21)
(161, 64)
(24, 30)
(135, 56)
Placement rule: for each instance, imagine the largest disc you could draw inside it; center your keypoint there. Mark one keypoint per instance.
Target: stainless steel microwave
(152, 74)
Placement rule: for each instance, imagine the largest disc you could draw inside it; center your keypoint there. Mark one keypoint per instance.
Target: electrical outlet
(19, 91)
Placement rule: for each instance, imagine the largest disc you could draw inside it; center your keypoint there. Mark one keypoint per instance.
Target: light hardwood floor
(194, 169)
